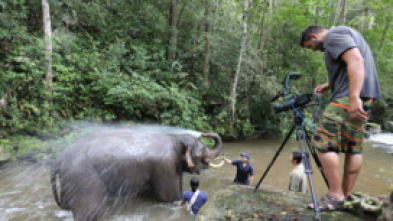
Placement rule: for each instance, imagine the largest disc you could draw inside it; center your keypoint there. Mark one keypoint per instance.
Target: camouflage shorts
(337, 131)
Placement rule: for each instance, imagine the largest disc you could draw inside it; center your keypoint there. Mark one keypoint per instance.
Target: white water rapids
(383, 140)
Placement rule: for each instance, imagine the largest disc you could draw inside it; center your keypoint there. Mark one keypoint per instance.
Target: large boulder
(388, 211)
(242, 203)
(373, 128)
(4, 157)
(388, 126)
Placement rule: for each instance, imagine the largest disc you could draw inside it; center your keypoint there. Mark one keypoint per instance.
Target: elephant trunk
(212, 154)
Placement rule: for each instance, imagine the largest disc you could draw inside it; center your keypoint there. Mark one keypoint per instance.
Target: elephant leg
(90, 201)
(166, 183)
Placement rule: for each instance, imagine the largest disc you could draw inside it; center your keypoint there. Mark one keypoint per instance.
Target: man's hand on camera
(320, 89)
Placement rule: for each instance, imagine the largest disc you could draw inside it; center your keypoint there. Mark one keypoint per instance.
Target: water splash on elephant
(166, 129)
(45, 151)
(115, 164)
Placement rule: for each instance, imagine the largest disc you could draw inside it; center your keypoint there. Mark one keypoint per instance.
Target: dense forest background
(210, 65)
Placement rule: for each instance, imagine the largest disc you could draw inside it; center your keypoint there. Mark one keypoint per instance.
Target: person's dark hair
(309, 30)
(194, 182)
(297, 157)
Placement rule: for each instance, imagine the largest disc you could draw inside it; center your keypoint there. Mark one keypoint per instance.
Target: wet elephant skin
(125, 163)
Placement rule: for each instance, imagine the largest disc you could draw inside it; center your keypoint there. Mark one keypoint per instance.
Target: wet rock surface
(4, 157)
(242, 203)
(388, 210)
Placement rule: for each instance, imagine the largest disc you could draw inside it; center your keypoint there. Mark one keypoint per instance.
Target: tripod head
(294, 102)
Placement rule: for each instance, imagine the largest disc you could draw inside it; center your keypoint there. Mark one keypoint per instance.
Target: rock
(388, 126)
(373, 128)
(4, 157)
(388, 210)
(242, 203)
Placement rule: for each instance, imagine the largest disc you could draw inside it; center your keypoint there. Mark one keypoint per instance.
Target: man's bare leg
(352, 166)
(331, 167)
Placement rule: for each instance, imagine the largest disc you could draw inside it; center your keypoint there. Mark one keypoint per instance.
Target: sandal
(328, 203)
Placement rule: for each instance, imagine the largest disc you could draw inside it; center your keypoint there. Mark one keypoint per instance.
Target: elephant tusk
(217, 165)
(189, 162)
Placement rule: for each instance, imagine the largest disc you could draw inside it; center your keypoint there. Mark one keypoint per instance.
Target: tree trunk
(385, 30)
(3, 103)
(344, 16)
(317, 15)
(268, 20)
(48, 45)
(262, 25)
(328, 19)
(238, 69)
(179, 17)
(207, 43)
(173, 26)
(216, 9)
(336, 15)
(368, 24)
(268, 24)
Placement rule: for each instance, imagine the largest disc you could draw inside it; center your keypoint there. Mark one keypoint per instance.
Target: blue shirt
(243, 172)
(201, 199)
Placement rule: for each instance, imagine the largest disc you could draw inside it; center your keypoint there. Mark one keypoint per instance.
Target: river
(25, 192)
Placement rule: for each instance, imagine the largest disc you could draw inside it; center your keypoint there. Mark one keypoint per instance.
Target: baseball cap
(245, 155)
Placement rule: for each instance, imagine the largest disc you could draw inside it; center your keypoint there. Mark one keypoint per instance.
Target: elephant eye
(199, 150)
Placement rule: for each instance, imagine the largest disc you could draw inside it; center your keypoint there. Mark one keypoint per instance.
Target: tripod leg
(316, 159)
(314, 197)
(301, 133)
(275, 157)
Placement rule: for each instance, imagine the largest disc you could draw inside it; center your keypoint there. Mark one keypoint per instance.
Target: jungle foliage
(111, 62)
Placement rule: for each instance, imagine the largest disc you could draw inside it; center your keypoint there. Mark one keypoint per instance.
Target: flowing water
(25, 191)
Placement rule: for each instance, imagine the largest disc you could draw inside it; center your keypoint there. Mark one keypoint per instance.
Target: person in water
(195, 198)
(244, 171)
(297, 178)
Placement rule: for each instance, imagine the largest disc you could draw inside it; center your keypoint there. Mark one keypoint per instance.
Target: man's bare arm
(251, 180)
(227, 160)
(355, 69)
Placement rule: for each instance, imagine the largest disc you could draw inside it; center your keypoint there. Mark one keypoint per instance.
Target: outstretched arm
(227, 160)
(181, 203)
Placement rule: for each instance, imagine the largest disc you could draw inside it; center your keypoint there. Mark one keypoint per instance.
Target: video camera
(298, 101)
(294, 102)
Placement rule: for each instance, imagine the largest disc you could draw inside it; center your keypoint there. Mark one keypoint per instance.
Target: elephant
(124, 163)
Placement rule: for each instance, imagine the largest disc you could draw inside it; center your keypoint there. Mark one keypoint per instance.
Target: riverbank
(242, 203)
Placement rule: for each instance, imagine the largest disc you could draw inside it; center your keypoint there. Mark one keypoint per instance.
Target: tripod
(305, 149)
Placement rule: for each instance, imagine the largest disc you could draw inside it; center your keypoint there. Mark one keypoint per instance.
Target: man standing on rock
(354, 86)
